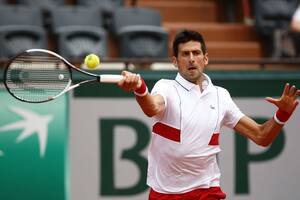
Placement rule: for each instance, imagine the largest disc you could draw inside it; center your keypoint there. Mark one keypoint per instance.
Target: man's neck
(202, 83)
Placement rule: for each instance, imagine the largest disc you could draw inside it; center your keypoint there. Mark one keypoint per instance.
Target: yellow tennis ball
(91, 61)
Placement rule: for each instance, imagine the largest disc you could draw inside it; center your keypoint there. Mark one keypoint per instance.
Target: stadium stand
(229, 30)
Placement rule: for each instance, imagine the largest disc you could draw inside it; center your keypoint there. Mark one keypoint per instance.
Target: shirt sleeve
(232, 114)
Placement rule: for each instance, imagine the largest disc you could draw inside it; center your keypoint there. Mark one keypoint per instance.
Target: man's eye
(196, 53)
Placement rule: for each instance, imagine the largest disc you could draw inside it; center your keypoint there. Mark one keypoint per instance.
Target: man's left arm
(264, 134)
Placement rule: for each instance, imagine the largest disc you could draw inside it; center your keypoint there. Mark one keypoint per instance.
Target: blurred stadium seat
(21, 28)
(44, 4)
(79, 31)
(107, 6)
(140, 33)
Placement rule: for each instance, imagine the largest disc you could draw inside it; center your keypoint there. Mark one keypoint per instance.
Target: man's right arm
(151, 104)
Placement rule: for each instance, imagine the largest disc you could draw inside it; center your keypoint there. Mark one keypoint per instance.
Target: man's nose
(191, 57)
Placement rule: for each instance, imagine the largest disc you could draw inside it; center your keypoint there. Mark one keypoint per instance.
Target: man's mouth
(192, 68)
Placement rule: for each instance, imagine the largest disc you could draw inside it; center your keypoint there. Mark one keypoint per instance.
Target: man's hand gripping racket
(133, 82)
(39, 75)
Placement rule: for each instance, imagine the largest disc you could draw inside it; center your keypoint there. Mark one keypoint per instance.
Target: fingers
(130, 81)
(272, 100)
(121, 82)
(292, 90)
(286, 89)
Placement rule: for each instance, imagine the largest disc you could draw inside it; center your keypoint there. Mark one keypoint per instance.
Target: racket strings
(37, 78)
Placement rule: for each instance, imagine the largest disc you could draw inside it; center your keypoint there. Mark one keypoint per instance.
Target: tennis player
(188, 113)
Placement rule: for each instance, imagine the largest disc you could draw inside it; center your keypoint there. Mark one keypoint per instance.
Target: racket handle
(110, 78)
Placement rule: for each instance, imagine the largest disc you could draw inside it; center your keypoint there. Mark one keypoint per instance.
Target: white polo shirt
(182, 152)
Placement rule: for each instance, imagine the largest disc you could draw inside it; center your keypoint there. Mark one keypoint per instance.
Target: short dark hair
(186, 36)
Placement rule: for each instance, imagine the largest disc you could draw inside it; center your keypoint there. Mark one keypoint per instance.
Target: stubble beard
(194, 77)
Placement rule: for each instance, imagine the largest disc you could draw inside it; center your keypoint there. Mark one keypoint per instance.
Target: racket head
(37, 76)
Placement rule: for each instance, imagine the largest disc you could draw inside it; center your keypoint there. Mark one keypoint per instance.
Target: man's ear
(174, 60)
(206, 58)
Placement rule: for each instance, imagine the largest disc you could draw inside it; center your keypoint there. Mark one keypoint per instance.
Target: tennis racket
(39, 75)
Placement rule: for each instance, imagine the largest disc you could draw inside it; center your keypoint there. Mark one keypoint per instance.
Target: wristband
(281, 117)
(142, 90)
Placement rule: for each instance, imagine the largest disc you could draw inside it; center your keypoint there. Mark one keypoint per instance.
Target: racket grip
(110, 78)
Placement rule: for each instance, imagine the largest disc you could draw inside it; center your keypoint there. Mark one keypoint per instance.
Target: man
(188, 113)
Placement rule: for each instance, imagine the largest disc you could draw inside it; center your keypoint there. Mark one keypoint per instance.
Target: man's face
(191, 61)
